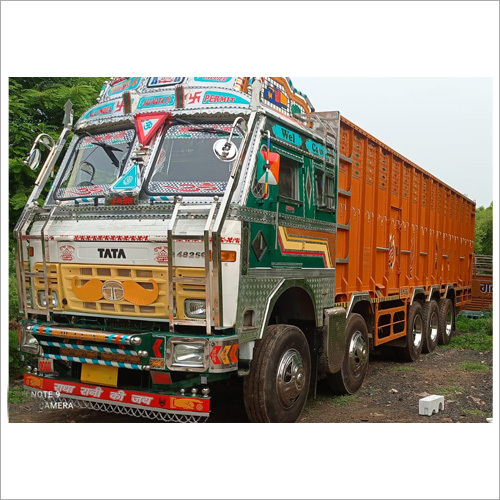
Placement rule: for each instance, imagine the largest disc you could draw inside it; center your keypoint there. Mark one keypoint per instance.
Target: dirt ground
(390, 393)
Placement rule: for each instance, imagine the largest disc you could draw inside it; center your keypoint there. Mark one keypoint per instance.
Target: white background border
(247, 461)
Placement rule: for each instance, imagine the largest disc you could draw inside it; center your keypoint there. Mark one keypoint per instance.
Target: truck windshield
(185, 162)
(96, 162)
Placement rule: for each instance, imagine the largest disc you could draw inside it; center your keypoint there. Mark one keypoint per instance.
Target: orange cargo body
(399, 227)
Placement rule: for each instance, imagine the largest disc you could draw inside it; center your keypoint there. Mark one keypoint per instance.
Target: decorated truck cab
(204, 228)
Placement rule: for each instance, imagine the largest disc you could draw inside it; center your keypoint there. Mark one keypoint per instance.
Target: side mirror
(225, 150)
(34, 156)
(33, 159)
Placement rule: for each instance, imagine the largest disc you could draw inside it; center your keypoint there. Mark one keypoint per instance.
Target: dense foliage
(483, 240)
(37, 105)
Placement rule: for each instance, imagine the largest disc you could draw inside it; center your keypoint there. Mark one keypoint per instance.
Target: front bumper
(151, 405)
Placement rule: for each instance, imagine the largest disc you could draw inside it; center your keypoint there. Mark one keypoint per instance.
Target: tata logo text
(111, 253)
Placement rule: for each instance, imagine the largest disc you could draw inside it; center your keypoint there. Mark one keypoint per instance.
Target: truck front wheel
(355, 364)
(276, 388)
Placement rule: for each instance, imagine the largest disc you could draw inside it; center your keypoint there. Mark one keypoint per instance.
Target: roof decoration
(151, 95)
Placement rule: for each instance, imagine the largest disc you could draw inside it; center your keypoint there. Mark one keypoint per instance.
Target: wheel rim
(449, 322)
(358, 354)
(417, 331)
(434, 326)
(291, 378)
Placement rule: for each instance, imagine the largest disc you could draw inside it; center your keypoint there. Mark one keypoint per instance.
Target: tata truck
(204, 228)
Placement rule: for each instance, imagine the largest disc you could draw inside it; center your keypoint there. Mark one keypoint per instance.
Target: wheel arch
(418, 295)
(450, 293)
(434, 294)
(292, 303)
(363, 306)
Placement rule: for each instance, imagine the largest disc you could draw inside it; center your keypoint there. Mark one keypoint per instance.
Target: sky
(444, 125)
(421, 77)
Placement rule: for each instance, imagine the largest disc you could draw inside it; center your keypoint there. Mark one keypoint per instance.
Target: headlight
(185, 354)
(28, 342)
(195, 308)
(188, 355)
(42, 299)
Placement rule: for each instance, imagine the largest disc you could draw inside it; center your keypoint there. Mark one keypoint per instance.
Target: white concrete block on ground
(430, 404)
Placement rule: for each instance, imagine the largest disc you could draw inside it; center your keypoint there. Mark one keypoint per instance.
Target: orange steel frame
(399, 227)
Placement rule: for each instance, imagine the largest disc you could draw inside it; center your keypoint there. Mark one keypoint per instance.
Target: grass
(474, 367)
(335, 400)
(470, 325)
(472, 341)
(449, 390)
(343, 400)
(403, 368)
(17, 394)
(474, 412)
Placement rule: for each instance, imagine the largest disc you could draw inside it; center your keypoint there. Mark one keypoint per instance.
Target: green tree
(37, 105)
(483, 239)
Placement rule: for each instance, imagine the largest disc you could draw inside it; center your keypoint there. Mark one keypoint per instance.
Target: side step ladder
(23, 266)
(182, 209)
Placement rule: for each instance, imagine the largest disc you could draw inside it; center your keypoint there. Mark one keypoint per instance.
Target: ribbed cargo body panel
(399, 226)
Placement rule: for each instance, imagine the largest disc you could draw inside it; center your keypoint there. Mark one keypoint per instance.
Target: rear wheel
(355, 364)
(276, 388)
(445, 321)
(414, 334)
(430, 313)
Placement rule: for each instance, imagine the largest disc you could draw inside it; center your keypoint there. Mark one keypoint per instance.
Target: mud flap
(330, 360)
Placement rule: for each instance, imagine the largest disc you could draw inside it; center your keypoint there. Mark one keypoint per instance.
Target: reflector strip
(110, 338)
(96, 361)
(89, 347)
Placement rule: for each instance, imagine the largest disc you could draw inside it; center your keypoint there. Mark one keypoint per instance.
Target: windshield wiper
(208, 129)
(194, 126)
(109, 151)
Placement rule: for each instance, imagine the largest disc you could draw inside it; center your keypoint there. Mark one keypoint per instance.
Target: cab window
(325, 191)
(289, 179)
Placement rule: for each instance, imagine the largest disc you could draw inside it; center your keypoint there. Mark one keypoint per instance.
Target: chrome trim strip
(265, 272)
(268, 306)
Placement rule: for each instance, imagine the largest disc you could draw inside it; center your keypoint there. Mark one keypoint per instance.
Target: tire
(414, 334)
(445, 321)
(278, 383)
(356, 355)
(430, 313)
